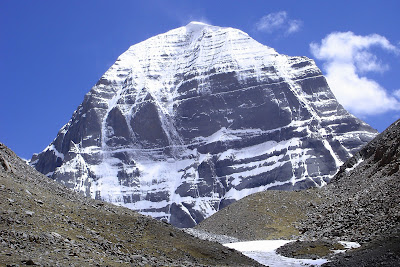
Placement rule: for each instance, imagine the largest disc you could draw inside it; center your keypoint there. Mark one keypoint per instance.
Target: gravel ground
(383, 251)
(223, 239)
(262, 216)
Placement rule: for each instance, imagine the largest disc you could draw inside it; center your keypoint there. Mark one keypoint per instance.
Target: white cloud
(294, 26)
(191, 18)
(348, 59)
(278, 21)
(397, 93)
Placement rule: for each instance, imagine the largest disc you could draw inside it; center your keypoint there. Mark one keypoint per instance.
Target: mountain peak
(197, 24)
(197, 27)
(188, 121)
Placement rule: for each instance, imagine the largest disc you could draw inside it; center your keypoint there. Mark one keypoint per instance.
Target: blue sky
(53, 52)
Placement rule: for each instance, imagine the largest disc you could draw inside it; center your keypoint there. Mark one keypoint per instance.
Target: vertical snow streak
(328, 147)
(283, 68)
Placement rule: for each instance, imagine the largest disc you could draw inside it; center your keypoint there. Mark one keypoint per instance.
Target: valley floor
(264, 251)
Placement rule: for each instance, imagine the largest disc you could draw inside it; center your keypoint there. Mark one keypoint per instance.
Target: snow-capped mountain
(191, 120)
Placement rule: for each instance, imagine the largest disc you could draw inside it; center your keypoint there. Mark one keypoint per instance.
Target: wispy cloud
(397, 93)
(348, 59)
(201, 19)
(278, 21)
(294, 26)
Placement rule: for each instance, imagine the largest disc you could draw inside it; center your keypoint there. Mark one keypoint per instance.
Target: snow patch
(58, 154)
(264, 252)
(355, 165)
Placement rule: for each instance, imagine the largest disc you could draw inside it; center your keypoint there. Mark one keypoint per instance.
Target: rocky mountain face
(191, 120)
(46, 224)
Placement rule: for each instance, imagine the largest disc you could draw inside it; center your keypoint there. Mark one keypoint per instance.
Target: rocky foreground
(43, 223)
(362, 204)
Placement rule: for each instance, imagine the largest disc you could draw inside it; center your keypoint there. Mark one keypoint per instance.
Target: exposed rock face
(191, 120)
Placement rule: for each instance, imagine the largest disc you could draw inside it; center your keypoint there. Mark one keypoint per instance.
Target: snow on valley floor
(263, 251)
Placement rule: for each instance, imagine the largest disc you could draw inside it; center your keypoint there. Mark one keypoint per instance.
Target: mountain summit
(191, 120)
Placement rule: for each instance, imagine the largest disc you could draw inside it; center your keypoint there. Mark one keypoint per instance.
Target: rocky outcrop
(194, 119)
